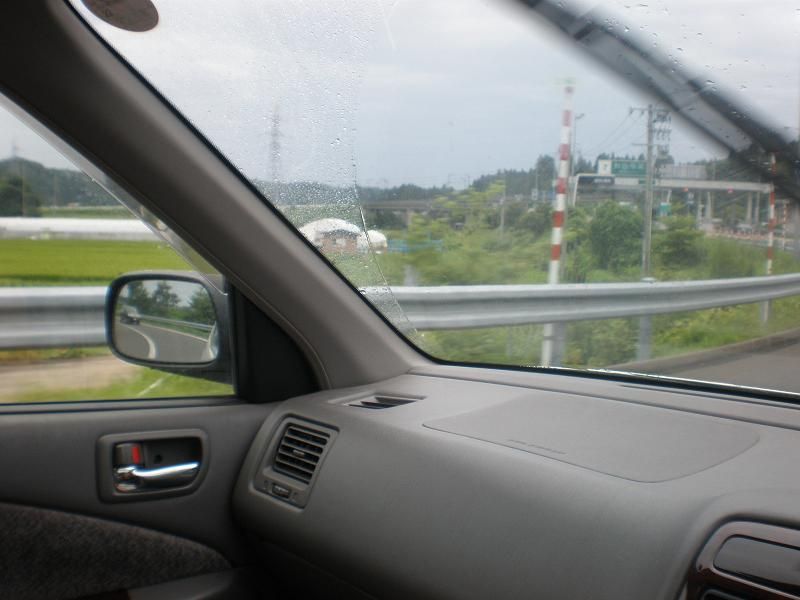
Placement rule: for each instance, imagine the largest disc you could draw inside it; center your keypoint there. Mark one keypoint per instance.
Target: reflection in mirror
(165, 321)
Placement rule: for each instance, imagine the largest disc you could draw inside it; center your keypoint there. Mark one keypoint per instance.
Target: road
(153, 342)
(776, 368)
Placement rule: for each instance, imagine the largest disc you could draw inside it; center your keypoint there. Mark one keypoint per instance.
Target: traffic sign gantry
(629, 168)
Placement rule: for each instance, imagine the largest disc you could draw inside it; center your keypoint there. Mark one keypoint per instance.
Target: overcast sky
(434, 91)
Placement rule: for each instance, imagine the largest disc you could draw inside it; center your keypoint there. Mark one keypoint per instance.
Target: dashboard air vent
(379, 402)
(299, 451)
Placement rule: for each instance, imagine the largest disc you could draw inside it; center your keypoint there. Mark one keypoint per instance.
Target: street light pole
(574, 146)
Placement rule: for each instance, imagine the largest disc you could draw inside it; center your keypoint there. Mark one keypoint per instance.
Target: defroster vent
(381, 401)
(299, 451)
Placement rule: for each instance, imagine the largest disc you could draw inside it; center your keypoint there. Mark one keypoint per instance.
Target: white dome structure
(377, 240)
(335, 235)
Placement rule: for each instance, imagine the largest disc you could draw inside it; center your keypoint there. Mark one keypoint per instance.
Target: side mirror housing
(172, 321)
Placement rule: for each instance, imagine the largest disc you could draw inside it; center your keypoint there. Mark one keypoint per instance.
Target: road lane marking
(150, 387)
(151, 346)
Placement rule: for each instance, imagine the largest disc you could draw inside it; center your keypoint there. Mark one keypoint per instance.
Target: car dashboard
(466, 483)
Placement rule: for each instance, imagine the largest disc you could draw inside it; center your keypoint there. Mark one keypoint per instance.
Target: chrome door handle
(134, 478)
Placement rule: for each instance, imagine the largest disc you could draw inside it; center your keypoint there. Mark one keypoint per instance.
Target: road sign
(629, 168)
(595, 180)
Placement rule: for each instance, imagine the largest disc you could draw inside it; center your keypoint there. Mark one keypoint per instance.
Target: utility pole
(503, 204)
(574, 145)
(648, 196)
(658, 134)
(275, 151)
(654, 115)
(765, 307)
(18, 160)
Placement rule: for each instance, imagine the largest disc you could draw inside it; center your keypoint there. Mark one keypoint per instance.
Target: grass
(24, 356)
(94, 212)
(517, 257)
(83, 263)
(79, 262)
(146, 383)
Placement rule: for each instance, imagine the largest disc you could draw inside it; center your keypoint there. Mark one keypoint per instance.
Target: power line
(624, 140)
(615, 133)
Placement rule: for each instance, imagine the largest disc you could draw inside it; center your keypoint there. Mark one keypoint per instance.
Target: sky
(434, 92)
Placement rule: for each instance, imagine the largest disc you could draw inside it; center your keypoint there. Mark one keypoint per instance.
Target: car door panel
(55, 554)
(49, 460)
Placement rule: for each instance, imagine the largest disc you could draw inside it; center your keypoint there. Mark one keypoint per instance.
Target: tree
(17, 199)
(164, 299)
(679, 245)
(582, 165)
(615, 237)
(137, 296)
(537, 220)
(201, 309)
(544, 174)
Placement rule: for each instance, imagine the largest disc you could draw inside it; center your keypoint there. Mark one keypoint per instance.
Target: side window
(63, 240)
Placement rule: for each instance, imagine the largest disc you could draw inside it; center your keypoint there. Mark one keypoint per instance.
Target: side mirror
(170, 321)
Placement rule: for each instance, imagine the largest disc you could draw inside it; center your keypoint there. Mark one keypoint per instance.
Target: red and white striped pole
(561, 190)
(559, 218)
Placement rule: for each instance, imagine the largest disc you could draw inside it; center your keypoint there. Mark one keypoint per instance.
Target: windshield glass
(620, 197)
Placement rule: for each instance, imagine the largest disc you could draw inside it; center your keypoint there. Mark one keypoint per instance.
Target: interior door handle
(133, 478)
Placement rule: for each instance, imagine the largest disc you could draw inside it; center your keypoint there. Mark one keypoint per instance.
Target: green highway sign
(629, 168)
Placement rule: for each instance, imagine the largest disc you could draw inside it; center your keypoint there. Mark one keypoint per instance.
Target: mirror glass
(165, 321)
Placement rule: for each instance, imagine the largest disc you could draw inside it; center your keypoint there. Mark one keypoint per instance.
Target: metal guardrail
(56, 317)
(73, 316)
(465, 307)
(166, 321)
(60, 317)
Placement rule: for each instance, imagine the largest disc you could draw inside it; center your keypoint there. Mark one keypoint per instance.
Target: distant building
(343, 237)
(333, 236)
(377, 240)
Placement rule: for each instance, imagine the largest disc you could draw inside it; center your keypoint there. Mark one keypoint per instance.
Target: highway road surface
(776, 368)
(156, 342)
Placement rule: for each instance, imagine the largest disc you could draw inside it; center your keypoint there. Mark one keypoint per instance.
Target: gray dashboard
(475, 483)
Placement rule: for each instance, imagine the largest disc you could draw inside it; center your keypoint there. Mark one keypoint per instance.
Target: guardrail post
(643, 348)
(548, 342)
(559, 343)
(553, 343)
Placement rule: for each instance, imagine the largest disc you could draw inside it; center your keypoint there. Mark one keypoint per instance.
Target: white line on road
(150, 387)
(151, 346)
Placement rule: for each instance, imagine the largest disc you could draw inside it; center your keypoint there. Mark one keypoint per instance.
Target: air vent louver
(378, 402)
(299, 452)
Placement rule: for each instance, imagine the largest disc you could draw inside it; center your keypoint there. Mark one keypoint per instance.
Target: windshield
(587, 186)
